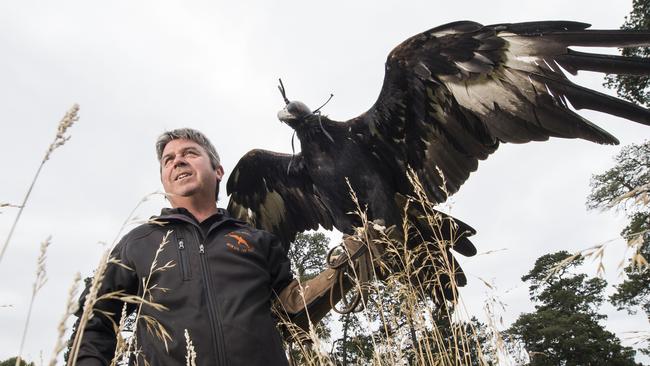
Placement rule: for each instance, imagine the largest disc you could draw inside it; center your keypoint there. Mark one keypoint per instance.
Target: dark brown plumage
(450, 96)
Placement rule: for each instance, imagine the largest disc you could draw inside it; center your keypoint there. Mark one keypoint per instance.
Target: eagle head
(294, 112)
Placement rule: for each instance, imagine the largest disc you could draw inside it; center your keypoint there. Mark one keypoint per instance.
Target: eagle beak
(285, 116)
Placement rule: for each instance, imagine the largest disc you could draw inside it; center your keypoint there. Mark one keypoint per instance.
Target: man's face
(186, 170)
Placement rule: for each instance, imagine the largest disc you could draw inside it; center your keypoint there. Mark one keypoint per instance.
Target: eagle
(451, 95)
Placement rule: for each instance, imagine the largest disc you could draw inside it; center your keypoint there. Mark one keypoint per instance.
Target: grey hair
(188, 134)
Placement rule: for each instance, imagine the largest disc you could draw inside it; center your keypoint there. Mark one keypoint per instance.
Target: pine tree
(564, 329)
(626, 186)
(12, 362)
(632, 87)
(355, 345)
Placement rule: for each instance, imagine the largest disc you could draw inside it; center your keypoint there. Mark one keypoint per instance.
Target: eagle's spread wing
(272, 192)
(453, 93)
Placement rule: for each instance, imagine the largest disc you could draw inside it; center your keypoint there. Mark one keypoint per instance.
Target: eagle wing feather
(272, 191)
(452, 94)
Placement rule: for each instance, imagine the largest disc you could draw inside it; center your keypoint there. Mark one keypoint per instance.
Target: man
(221, 278)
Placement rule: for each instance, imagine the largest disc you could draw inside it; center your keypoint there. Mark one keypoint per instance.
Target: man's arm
(310, 301)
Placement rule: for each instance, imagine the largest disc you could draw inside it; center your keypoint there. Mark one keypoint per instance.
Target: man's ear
(219, 173)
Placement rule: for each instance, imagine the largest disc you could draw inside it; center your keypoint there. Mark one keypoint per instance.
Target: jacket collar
(182, 214)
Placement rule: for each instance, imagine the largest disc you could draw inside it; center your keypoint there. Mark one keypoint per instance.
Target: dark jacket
(219, 289)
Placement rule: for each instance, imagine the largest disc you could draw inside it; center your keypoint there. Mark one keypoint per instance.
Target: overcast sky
(139, 68)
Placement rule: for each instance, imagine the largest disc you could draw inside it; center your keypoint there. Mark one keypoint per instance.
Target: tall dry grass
(39, 282)
(408, 322)
(71, 307)
(70, 117)
(126, 348)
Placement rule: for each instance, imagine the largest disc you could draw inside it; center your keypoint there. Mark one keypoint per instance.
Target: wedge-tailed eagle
(450, 96)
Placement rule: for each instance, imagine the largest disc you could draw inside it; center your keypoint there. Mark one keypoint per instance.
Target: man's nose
(179, 161)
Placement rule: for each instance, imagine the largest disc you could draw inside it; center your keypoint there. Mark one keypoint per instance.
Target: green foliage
(307, 254)
(631, 171)
(553, 289)
(626, 186)
(12, 362)
(355, 345)
(564, 329)
(401, 337)
(634, 291)
(557, 338)
(632, 87)
(463, 343)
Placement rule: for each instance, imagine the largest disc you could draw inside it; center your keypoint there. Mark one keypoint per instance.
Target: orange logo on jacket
(240, 245)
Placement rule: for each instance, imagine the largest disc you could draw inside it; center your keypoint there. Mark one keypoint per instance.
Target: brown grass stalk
(66, 122)
(131, 218)
(89, 303)
(190, 352)
(146, 299)
(39, 282)
(71, 307)
(125, 347)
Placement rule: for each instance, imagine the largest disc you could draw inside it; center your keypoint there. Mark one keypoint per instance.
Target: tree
(355, 345)
(307, 254)
(627, 179)
(462, 342)
(626, 186)
(397, 327)
(12, 362)
(632, 87)
(634, 291)
(565, 329)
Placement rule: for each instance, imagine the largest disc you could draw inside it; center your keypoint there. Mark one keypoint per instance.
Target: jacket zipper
(184, 264)
(213, 309)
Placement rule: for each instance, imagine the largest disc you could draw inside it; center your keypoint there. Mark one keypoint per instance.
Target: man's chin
(182, 194)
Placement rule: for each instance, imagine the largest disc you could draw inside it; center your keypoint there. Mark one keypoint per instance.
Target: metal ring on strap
(342, 263)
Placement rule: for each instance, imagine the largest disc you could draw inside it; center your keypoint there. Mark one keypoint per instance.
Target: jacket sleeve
(279, 266)
(98, 343)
